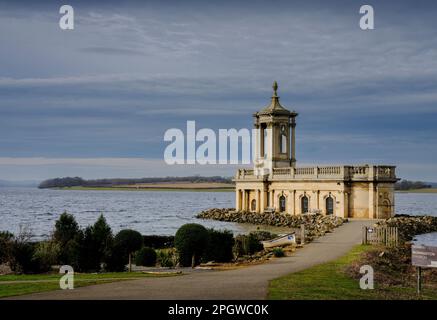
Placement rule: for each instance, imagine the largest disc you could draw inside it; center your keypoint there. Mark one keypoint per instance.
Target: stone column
(371, 201)
(262, 200)
(318, 199)
(293, 143)
(346, 205)
(244, 198)
(290, 204)
(237, 200)
(262, 146)
(314, 200)
(271, 197)
(342, 207)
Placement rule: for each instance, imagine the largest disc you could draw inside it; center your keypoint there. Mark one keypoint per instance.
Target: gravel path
(245, 283)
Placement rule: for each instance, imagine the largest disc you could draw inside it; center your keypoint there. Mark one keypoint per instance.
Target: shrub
(263, 235)
(278, 252)
(66, 233)
(248, 244)
(23, 260)
(46, 254)
(145, 257)
(219, 246)
(72, 253)
(94, 246)
(129, 241)
(102, 235)
(253, 243)
(66, 228)
(88, 252)
(22, 252)
(116, 259)
(167, 258)
(190, 241)
(6, 241)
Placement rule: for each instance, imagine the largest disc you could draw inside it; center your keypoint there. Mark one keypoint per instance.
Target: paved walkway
(244, 283)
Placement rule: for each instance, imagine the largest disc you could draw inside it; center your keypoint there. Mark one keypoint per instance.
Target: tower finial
(275, 89)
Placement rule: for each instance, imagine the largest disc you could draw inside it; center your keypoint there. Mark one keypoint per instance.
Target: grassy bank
(218, 189)
(13, 285)
(330, 281)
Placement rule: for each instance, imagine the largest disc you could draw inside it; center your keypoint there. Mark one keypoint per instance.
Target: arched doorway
(282, 204)
(304, 204)
(253, 205)
(329, 205)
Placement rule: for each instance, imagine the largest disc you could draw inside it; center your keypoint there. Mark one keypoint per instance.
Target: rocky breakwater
(315, 224)
(410, 226)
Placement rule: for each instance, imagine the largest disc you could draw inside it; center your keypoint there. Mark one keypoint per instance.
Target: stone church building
(276, 184)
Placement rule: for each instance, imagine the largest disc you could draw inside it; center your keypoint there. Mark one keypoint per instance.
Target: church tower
(276, 137)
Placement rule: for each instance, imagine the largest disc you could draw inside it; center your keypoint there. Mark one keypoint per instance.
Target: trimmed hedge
(145, 257)
(191, 240)
(158, 242)
(219, 246)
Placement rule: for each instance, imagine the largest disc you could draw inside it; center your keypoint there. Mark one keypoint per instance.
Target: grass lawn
(328, 281)
(13, 285)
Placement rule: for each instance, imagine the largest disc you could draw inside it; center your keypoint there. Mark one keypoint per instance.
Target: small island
(189, 183)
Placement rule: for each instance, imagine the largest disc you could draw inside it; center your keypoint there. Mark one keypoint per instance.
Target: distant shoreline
(174, 187)
(424, 190)
(152, 188)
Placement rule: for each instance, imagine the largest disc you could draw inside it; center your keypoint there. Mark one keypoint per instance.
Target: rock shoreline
(315, 224)
(410, 226)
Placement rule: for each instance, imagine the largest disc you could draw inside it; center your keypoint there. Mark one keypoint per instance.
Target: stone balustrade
(342, 172)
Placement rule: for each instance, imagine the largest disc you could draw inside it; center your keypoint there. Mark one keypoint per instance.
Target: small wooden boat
(282, 240)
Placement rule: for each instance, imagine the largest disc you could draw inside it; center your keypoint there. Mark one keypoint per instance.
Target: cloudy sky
(95, 101)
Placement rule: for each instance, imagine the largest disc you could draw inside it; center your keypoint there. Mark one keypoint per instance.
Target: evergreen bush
(145, 257)
(219, 246)
(190, 241)
(129, 241)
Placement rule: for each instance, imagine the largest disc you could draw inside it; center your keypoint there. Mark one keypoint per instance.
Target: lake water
(149, 212)
(428, 239)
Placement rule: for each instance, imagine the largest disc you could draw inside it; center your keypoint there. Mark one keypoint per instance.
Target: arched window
(282, 204)
(283, 143)
(253, 205)
(329, 205)
(304, 204)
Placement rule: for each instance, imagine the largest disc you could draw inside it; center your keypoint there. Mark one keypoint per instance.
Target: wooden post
(130, 262)
(302, 234)
(364, 235)
(193, 261)
(419, 280)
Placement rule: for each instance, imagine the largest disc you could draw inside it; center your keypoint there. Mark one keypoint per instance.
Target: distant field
(425, 190)
(165, 186)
